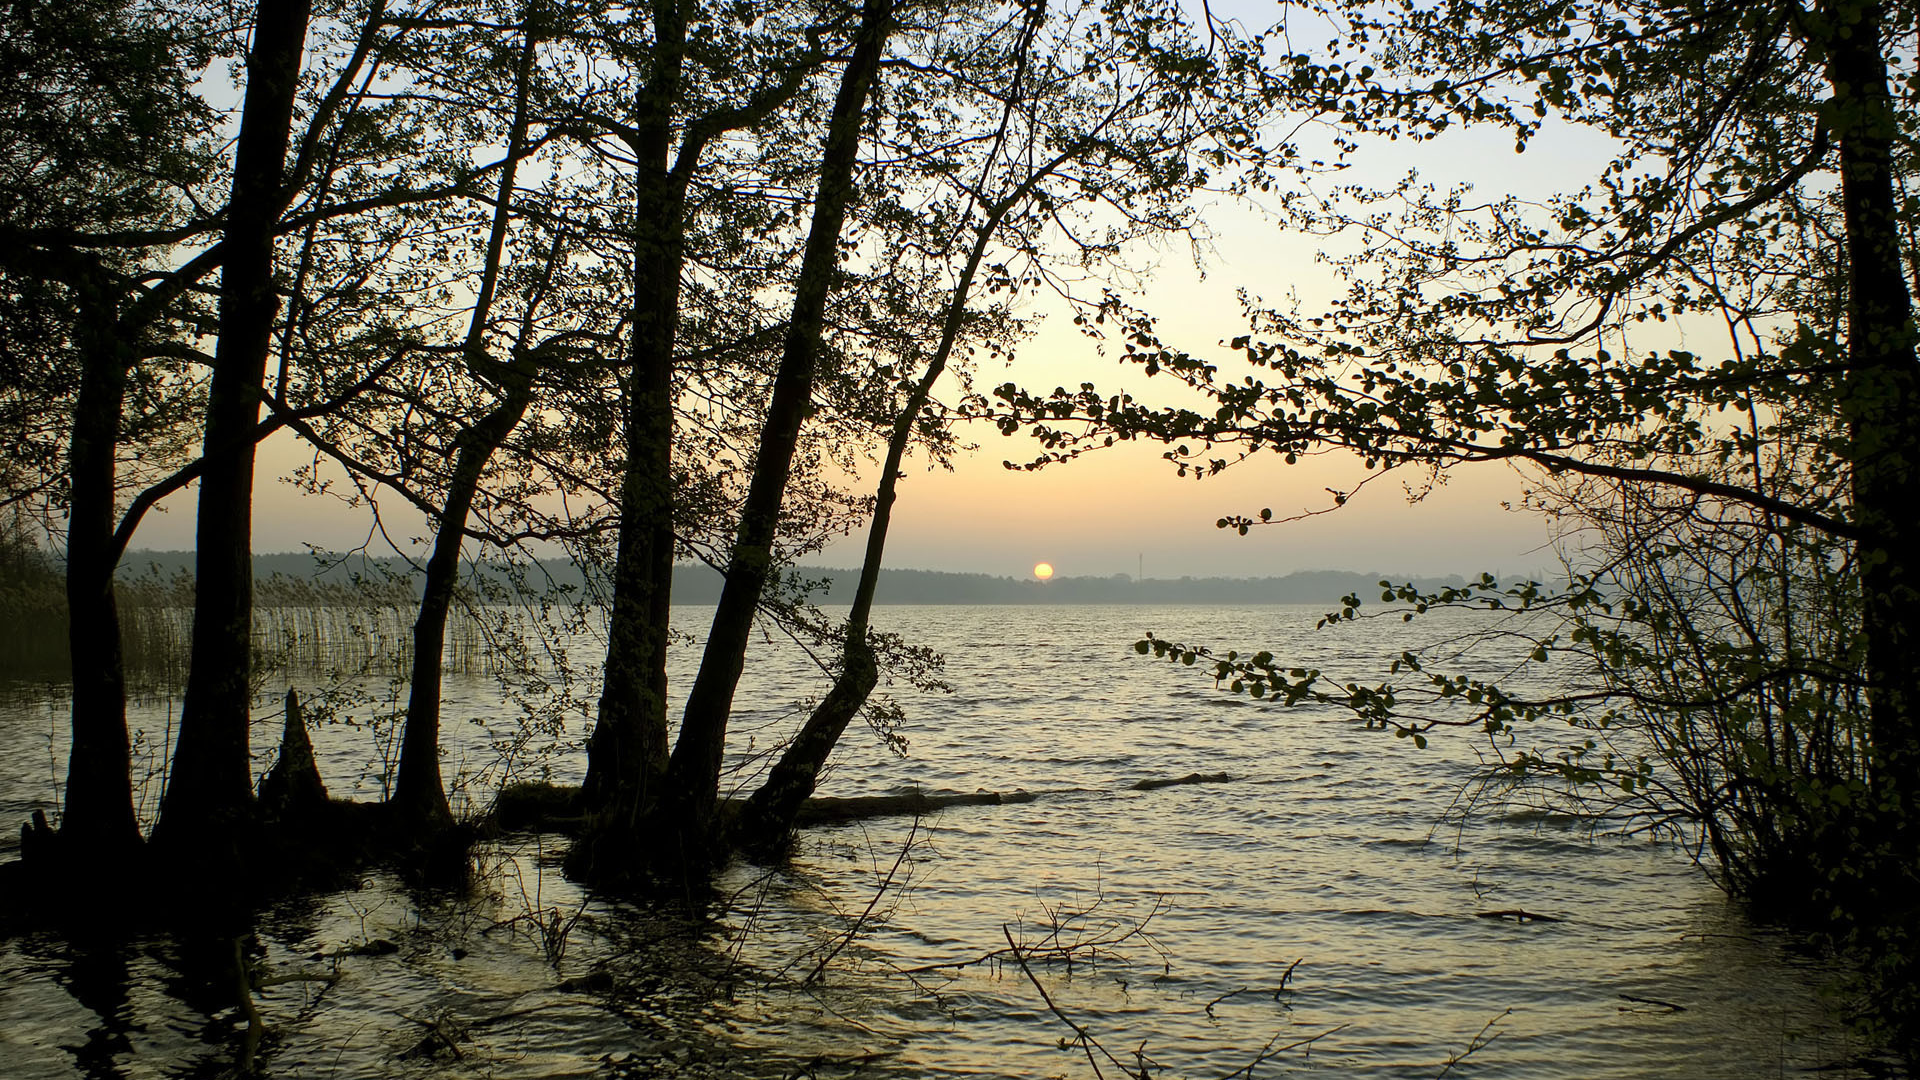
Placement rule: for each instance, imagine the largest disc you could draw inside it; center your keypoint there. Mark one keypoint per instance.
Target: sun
(1043, 571)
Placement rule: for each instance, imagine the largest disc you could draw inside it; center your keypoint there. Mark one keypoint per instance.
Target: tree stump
(292, 789)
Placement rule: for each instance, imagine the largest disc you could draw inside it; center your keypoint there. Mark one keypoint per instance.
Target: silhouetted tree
(103, 135)
(210, 787)
(1757, 153)
(1064, 144)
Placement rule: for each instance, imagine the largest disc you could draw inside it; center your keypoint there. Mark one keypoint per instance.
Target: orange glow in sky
(1124, 510)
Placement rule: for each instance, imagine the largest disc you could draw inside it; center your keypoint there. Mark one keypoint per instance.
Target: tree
(630, 773)
(361, 192)
(693, 771)
(973, 173)
(418, 790)
(111, 254)
(1067, 147)
(210, 788)
(104, 136)
(628, 753)
(1757, 147)
(116, 242)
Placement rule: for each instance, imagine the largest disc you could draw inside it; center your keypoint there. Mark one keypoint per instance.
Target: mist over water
(1331, 891)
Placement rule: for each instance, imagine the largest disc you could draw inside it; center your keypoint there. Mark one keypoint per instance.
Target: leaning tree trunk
(1882, 411)
(211, 778)
(768, 816)
(98, 821)
(419, 793)
(693, 773)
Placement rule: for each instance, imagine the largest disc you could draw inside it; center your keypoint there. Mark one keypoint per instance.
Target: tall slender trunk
(99, 818)
(211, 779)
(419, 791)
(769, 814)
(693, 773)
(1882, 411)
(628, 750)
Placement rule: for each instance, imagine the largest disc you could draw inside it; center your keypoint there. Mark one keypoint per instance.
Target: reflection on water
(1194, 928)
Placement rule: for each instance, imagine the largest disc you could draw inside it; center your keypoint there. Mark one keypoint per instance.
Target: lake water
(1318, 914)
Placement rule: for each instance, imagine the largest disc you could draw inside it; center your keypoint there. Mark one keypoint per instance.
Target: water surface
(1329, 895)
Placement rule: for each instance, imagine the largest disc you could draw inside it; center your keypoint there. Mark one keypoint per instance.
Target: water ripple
(1324, 884)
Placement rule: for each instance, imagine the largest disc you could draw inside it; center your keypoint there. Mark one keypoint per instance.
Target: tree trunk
(419, 792)
(1882, 410)
(211, 778)
(693, 773)
(769, 815)
(98, 817)
(628, 750)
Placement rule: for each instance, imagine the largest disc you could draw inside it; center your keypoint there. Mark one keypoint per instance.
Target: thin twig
(1476, 1043)
(885, 883)
(1088, 1044)
(1276, 991)
(1117, 931)
(1271, 1050)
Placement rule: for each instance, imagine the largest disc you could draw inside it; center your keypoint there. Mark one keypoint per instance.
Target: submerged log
(822, 810)
(545, 807)
(1518, 915)
(1176, 781)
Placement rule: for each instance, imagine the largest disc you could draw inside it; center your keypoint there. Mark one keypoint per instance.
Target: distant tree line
(694, 584)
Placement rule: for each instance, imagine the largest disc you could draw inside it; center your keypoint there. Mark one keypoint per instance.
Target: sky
(1120, 511)
(1128, 514)
(1125, 511)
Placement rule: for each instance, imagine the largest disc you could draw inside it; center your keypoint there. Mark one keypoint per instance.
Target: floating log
(1667, 1005)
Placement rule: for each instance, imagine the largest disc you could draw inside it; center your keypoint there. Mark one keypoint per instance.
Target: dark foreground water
(1319, 914)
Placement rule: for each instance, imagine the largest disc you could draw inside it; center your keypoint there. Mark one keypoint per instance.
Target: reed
(361, 627)
(33, 609)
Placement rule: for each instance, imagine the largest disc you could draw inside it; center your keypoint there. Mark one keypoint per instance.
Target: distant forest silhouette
(695, 584)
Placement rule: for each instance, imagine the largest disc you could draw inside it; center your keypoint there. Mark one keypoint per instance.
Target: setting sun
(1043, 571)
